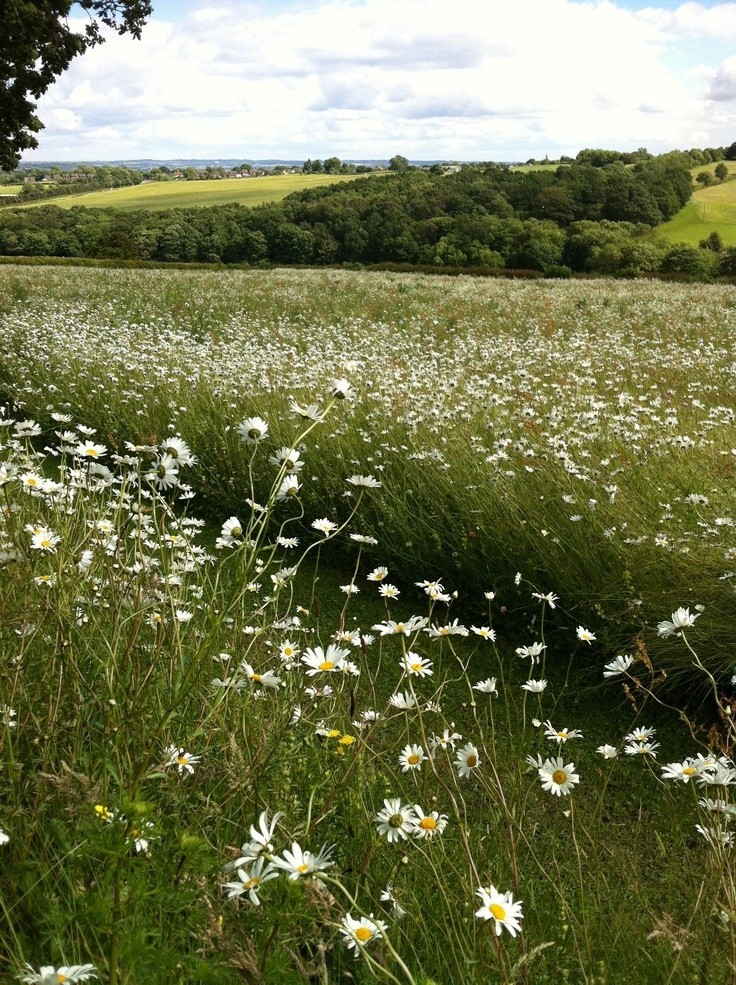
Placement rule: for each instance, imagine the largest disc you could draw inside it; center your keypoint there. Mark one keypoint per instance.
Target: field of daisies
(365, 627)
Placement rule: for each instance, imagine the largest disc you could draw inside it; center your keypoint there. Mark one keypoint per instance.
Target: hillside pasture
(710, 210)
(185, 194)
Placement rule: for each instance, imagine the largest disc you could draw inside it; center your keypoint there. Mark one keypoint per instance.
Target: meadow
(365, 627)
(184, 194)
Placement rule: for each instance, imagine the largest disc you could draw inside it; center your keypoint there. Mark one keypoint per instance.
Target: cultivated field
(185, 194)
(317, 595)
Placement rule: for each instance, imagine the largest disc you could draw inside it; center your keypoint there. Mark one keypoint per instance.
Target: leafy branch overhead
(37, 44)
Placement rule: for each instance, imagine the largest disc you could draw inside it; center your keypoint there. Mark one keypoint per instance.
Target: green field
(184, 194)
(9, 189)
(710, 210)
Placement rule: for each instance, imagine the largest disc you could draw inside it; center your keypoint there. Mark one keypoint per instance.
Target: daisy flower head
(557, 777)
(4, 837)
(416, 666)
(164, 473)
(607, 751)
(89, 449)
(298, 862)
(67, 974)
(618, 666)
(485, 632)
(584, 635)
(179, 449)
(309, 412)
(378, 574)
(289, 488)
(395, 821)
(681, 619)
(684, 771)
(641, 749)
(500, 908)
(533, 651)
(317, 660)
(534, 687)
(561, 735)
(445, 741)
(184, 761)
(427, 825)
(358, 933)
(324, 526)
(388, 591)
(550, 598)
(252, 430)
(231, 534)
(250, 880)
(643, 733)
(342, 389)
(45, 540)
(411, 758)
(403, 700)
(466, 760)
(364, 482)
(488, 686)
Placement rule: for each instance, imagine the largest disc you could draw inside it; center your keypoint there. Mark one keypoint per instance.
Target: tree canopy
(37, 44)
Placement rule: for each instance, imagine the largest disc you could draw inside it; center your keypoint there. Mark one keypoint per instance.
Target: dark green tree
(37, 45)
(398, 163)
(721, 171)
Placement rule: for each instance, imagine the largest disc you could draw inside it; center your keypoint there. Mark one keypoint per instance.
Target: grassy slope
(710, 210)
(183, 194)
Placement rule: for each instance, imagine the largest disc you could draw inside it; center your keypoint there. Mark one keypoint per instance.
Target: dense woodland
(585, 216)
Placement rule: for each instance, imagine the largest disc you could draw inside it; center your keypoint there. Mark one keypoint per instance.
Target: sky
(465, 80)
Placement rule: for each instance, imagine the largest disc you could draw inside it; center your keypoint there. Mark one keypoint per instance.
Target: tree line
(578, 217)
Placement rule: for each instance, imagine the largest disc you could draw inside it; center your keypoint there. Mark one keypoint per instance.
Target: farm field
(711, 210)
(184, 194)
(324, 594)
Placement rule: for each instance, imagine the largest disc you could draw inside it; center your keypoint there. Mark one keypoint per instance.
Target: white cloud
(463, 79)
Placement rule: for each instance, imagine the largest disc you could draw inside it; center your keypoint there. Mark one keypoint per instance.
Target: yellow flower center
(288, 651)
(256, 677)
(92, 452)
(61, 978)
(471, 761)
(689, 771)
(236, 532)
(413, 759)
(302, 868)
(416, 667)
(399, 627)
(31, 482)
(428, 823)
(559, 777)
(327, 665)
(363, 934)
(181, 760)
(498, 911)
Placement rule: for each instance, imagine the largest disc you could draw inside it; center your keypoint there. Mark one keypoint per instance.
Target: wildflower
(681, 619)
(164, 473)
(387, 896)
(287, 542)
(288, 489)
(304, 863)
(485, 632)
(416, 666)
(618, 666)
(500, 908)
(488, 686)
(550, 598)
(364, 481)
(363, 539)
(378, 574)
(466, 760)
(585, 635)
(45, 540)
(428, 825)
(556, 777)
(232, 532)
(358, 933)
(184, 761)
(324, 526)
(389, 591)
(534, 687)
(178, 449)
(403, 700)
(717, 837)
(391, 628)
(68, 974)
(533, 651)
(640, 734)
(394, 821)
(252, 430)
(450, 629)
(562, 735)
(312, 412)
(641, 749)
(266, 679)
(317, 659)
(4, 837)
(250, 880)
(287, 458)
(411, 758)
(684, 771)
(445, 741)
(607, 751)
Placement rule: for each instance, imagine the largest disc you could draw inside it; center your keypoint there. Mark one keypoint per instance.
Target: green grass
(9, 189)
(710, 210)
(185, 194)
